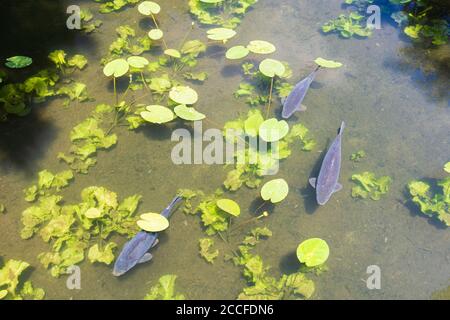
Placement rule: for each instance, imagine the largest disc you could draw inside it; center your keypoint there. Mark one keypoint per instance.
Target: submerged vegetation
(369, 186)
(165, 289)
(11, 286)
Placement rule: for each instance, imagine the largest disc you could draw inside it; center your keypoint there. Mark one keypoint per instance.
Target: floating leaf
(220, 34)
(173, 53)
(237, 52)
(211, 1)
(104, 255)
(137, 62)
(271, 68)
(157, 114)
(153, 222)
(155, 34)
(165, 289)
(149, 7)
(313, 252)
(273, 130)
(93, 213)
(18, 62)
(183, 95)
(327, 63)
(116, 68)
(187, 113)
(275, 190)
(78, 61)
(253, 123)
(447, 167)
(261, 47)
(229, 206)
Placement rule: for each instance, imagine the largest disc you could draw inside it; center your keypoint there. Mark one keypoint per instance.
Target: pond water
(392, 110)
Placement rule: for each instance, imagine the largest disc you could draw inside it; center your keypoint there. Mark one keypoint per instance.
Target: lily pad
(229, 206)
(155, 34)
(327, 63)
(220, 34)
(187, 113)
(153, 222)
(157, 114)
(183, 95)
(313, 252)
(93, 213)
(273, 130)
(116, 68)
(261, 47)
(18, 62)
(174, 53)
(252, 124)
(271, 68)
(149, 7)
(275, 190)
(137, 62)
(237, 52)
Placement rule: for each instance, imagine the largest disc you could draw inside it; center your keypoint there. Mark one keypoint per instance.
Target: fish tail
(174, 202)
(341, 129)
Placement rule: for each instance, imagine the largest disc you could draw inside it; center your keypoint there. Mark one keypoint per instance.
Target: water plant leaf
(104, 255)
(18, 62)
(327, 63)
(155, 34)
(313, 252)
(183, 95)
(153, 222)
(157, 114)
(261, 47)
(220, 34)
(275, 190)
(149, 7)
(137, 62)
(237, 52)
(229, 206)
(79, 61)
(370, 186)
(93, 213)
(271, 68)
(357, 156)
(200, 76)
(211, 1)
(58, 57)
(447, 167)
(187, 113)
(165, 289)
(173, 53)
(205, 250)
(116, 68)
(253, 123)
(272, 130)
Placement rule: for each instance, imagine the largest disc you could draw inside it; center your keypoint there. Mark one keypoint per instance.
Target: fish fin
(312, 182)
(155, 243)
(337, 187)
(301, 108)
(146, 257)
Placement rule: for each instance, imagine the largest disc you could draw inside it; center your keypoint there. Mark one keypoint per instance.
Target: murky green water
(400, 117)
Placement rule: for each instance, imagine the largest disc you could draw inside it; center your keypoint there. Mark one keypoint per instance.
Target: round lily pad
(261, 47)
(173, 53)
(18, 62)
(137, 62)
(327, 63)
(149, 7)
(183, 95)
(157, 114)
(237, 52)
(187, 113)
(229, 206)
(275, 190)
(93, 213)
(220, 34)
(252, 124)
(313, 252)
(271, 68)
(273, 130)
(211, 1)
(155, 34)
(153, 222)
(116, 68)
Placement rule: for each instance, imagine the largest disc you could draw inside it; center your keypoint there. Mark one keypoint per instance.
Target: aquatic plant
(89, 24)
(348, 25)
(157, 114)
(12, 288)
(189, 114)
(313, 252)
(370, 186)
(2, 208)
(48, 183)
(358, 156)
(70, 231)
(108, 6)
(18, 62)
(226, 13)
(205, 250)
(165, 289)
(153, 222)
(324, 63)
(275, 190)
(433, 204)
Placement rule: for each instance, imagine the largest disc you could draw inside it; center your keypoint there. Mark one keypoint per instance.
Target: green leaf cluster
(206, 251)
(358, 156)
(69, 231)
(367, 185)
(48, 183)
(127, 44)
(165, 289)
(12, 288)
(347, 26)
(109, 6)
(89, 24)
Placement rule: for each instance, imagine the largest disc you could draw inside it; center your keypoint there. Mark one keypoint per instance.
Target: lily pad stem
(270, 97)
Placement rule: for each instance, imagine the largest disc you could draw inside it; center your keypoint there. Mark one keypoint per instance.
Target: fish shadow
(258, 206)
(289, 263)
